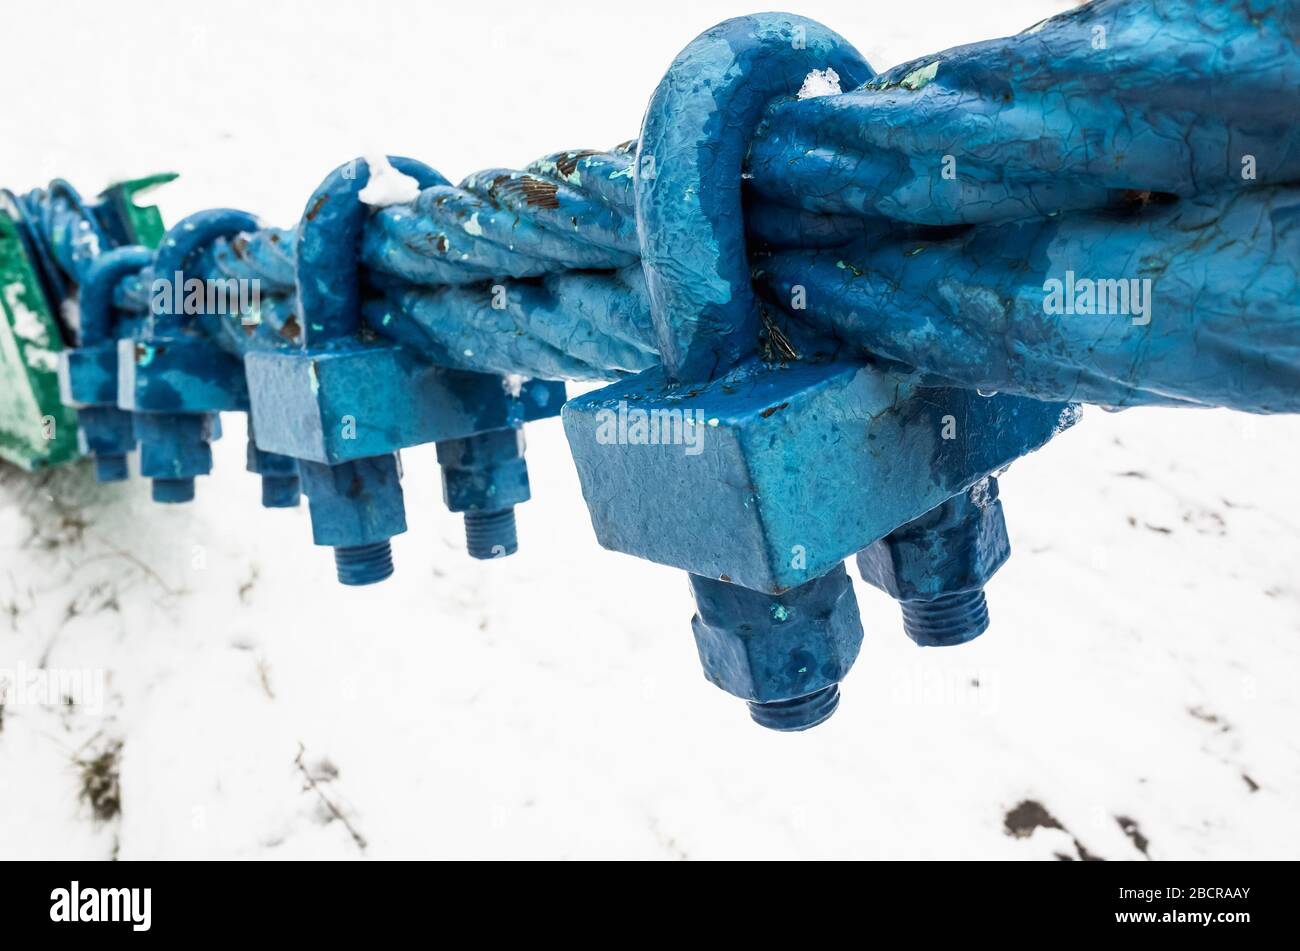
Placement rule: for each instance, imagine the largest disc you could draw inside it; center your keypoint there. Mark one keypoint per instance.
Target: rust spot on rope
(536, 192)
(315, 208)
(568, 162)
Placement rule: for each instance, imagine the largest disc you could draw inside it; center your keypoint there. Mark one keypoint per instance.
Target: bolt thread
(172, 491)
(280, 492)
(947, 620)
(491, 534)
(364, 564)
(111, 468)
(801, 713)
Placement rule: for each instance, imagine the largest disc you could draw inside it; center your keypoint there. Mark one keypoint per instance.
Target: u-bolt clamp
(88, 373)
(172, 376)
(756, 458)
(349, 399)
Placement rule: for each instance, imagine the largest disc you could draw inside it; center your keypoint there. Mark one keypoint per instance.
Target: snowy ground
(1134, 696)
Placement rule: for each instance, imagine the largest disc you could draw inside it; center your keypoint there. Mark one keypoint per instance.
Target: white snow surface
(820, 82)
(1145, 646)
(386, 185)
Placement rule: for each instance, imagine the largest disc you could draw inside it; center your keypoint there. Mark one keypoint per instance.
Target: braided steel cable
(1119, 158)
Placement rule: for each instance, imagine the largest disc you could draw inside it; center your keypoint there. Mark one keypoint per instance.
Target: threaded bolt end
(491, 534)
(801, 713)
(364, 564)
(172, 491)
(110, 468)
(280, 492)
(948, 620)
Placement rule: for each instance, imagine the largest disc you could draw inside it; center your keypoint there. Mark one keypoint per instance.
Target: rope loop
(327, 272)
(694, 140)
(187, 238)
(96, 294)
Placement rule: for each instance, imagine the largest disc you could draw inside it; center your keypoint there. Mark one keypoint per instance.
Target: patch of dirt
(100, 782)
(1029, 815)
(1131, 829)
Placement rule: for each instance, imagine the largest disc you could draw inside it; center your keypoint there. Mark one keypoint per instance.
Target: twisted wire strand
(1115, 161)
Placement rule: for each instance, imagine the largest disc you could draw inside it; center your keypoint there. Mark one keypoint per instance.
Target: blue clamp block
(348, 400)
(371, 398)
(88, 374)
(783, 472)
(173, 377)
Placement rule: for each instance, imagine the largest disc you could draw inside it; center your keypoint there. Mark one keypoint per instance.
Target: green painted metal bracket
(144, 222)
(36, 429)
